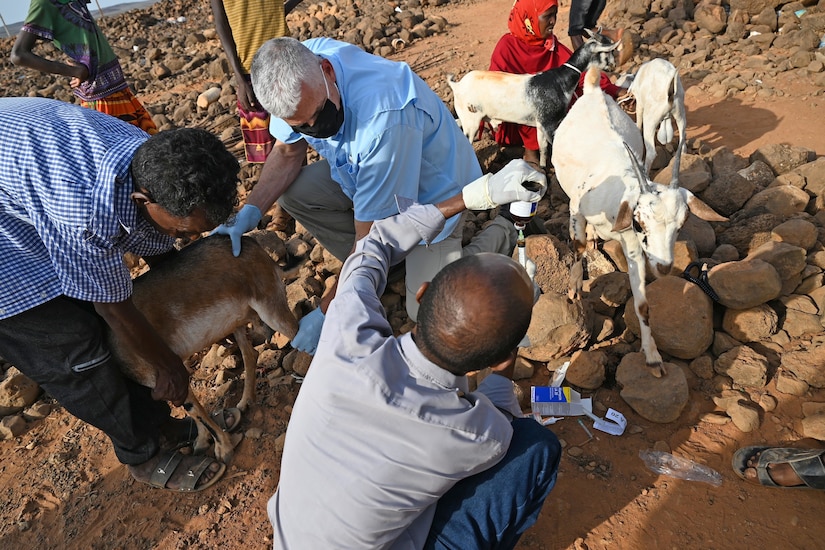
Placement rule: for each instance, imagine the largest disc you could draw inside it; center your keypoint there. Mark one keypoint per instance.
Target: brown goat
(196, 298)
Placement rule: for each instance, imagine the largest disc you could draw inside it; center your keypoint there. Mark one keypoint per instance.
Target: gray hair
(279, 68)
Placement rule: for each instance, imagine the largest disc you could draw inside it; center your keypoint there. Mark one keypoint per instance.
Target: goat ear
(590, 33)
(700, 209)
(624, 218)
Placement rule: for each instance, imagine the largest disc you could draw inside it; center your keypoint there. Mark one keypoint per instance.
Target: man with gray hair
(384, 133)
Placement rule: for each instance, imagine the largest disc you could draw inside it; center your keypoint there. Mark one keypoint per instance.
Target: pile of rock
(765, 265)
(729, 46)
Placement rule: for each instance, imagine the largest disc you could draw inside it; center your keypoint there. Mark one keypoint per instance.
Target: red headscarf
(524, 19)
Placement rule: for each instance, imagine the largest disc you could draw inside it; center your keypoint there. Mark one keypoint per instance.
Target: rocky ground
(743, 370)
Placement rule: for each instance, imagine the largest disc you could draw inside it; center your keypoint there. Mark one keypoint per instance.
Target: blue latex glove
(309, 332)
(245, 220)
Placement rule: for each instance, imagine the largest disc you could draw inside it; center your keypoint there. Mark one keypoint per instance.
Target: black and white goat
(596, 158)
(539, 100)
(660, 99)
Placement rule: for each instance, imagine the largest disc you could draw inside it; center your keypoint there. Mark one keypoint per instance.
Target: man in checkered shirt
(78, 189)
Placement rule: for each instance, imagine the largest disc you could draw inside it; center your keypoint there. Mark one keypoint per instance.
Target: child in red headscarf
(531, 47)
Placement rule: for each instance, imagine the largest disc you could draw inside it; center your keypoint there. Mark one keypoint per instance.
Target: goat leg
(578, 234)
(250, 361)
(576, 281)
(635, 266)
(225, 442)
(543, 138)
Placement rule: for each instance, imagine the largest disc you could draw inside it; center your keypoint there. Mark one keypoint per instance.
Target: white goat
(660, 97)
(539, 100)
(596, 161)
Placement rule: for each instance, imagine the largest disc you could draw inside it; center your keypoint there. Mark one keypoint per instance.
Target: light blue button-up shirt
(65, 213)
(378, 432)
(398, 137)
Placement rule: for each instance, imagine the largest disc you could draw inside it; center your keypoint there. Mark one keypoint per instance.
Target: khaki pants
(319, 204)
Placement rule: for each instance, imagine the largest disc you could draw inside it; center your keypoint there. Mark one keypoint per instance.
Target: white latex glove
(505, 186)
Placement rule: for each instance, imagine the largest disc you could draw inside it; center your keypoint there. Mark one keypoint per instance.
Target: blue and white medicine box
(558, 401)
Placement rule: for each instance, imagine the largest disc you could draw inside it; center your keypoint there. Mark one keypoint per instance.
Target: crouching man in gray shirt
(387, 447)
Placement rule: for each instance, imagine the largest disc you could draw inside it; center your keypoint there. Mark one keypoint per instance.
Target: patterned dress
(71, 28)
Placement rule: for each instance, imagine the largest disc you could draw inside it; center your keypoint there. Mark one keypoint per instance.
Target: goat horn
(608, 47)
(637, 169)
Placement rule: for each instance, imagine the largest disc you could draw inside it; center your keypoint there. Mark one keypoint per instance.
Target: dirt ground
(61, 486)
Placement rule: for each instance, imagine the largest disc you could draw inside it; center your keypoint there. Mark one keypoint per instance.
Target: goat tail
(592, 79)
(674, 87)
(451, 78)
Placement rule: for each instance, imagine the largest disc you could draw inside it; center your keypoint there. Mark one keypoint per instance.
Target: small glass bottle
(522, 212)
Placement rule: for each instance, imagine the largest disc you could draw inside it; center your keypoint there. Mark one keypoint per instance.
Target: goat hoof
(657, 369)
(225, 454)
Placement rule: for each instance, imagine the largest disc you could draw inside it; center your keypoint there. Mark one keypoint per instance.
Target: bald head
(474, 312)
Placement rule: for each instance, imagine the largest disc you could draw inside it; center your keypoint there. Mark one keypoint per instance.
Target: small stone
(12, 426)
(714, 418)
(223, 389)
(575, 451)
(253, 433)
(767, 402)
(279, 442)
(38, 411)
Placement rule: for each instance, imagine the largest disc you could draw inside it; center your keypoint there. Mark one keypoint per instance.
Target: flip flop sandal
(806, 463)
(219, 417)
(168, 463)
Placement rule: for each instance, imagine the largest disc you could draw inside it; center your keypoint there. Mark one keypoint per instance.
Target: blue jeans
(492, 509)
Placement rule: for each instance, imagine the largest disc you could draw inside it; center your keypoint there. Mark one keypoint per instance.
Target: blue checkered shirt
(65, 213)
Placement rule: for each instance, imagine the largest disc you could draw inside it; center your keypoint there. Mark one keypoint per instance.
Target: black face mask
(328, 121)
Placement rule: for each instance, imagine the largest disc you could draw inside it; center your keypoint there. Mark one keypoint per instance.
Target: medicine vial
(522, 212)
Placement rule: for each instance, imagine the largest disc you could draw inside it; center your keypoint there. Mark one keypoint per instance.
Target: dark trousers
(492, 509)
(584, 14)
(62, 346)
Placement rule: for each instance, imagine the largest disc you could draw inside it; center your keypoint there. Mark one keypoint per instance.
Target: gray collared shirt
(378, 432)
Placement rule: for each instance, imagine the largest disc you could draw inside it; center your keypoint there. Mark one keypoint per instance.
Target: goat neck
(582, 56)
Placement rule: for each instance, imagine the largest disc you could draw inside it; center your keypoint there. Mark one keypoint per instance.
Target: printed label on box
(553, 401)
